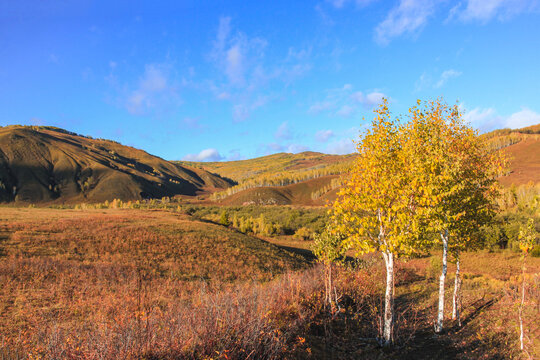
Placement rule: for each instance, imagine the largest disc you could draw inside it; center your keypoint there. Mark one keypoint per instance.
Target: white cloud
(525, 117)
(235, 155)
(338, 4)
(283, 132)
(319, 107)
(246, 75)
(296, 148)
(427, 80)
(483, 119)
(445, 76)
(344, 101)
(488, 119)
(324, 135)
(343, 146)
(194, 124)
(408, 17)
(204, 155)
(234, 66)
(486, 10)
(155, 91)
(235, 54)
(346, 111)
(370, 100)
(154, 79)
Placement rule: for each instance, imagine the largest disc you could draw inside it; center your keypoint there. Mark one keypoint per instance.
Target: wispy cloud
(246, 74)
(283, 132)
(525, 117)
(296, 148)
(324, 135)
(408, 17)
(155, 91)
(435, 81)
(487, 10)
(369, 100)
(205, 155)
(447, 75)
(487, 119)
(341, 147)
(194, 124)
(345, 102)
(346, 111)
(338, 4)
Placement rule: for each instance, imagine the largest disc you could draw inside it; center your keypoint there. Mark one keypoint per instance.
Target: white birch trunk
(442, 280)
(456, 311)
(388, 299)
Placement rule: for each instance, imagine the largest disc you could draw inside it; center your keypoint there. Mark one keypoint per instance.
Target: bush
(303, 233)
(224, 218)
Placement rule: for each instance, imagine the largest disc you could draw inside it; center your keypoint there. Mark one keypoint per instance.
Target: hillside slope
(270, 165)
(294, 194)
(43, 164)
(522, 149)
(521, 146)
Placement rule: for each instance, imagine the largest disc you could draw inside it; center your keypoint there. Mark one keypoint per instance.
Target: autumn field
(122, 283)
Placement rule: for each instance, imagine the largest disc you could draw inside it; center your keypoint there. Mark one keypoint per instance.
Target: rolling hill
(294, 194)
(271, 165)
(521, 146)
(46, 164)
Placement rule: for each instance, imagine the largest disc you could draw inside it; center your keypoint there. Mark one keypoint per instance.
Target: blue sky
(227, 80)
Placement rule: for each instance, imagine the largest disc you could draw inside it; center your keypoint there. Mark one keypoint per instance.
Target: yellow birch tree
(454, 175)
(376, 208)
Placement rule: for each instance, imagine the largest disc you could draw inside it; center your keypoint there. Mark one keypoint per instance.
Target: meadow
(169, 284)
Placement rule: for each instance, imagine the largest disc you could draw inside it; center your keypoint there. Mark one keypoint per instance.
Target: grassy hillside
(68, 269)
(271, 165)
(43, 164)
(302, 193)
(522, 147)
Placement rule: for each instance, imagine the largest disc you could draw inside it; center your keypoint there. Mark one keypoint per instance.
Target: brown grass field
(108, 284)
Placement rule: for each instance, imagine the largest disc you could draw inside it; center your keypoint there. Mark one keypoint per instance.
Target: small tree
(224, 218)
(454, 175)
(329, 247)
(376, 209)
(527, 240)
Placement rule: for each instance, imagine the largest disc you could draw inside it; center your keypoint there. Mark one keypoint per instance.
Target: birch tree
(329, 247)
(375, 209)
(455, 178)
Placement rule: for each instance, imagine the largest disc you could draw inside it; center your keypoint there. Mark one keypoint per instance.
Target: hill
(271, 165)
(302, 193)
(44, 164)
(522, 148)
(312, 178)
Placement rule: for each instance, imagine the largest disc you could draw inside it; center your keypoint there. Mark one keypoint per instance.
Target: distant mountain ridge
(46, 164)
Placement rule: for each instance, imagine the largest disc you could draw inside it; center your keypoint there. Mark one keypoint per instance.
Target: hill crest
(44, 164)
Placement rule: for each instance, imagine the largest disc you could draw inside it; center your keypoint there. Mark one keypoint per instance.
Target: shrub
(303, 233)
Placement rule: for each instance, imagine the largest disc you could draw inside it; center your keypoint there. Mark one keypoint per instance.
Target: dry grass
(65, 271)
(107, 284)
